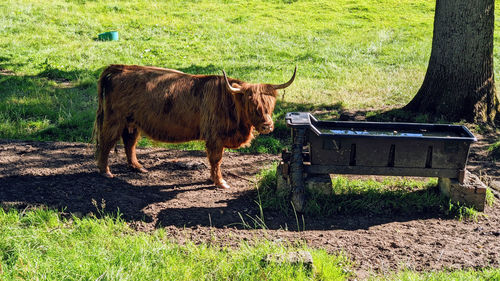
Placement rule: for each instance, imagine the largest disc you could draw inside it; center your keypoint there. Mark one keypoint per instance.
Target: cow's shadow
(83, 194)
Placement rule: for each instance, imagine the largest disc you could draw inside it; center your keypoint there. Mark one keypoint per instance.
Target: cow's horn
(282, 86)
(231, 88)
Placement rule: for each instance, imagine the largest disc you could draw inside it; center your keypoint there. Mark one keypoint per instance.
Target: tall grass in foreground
(40, 245)
(459, 275)
(392, 196)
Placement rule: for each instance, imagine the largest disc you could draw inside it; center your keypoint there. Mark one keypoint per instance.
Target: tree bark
(459, 83)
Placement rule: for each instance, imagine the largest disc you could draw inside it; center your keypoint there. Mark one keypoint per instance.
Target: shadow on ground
(175, 192)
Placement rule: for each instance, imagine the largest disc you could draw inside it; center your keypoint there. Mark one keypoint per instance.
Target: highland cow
(171, 106)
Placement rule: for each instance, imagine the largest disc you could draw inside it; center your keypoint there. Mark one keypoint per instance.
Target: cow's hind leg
(130, 137)
(107, 140)
(214, 153)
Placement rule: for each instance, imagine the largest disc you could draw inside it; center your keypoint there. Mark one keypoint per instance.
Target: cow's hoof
(108, 175)
(139, 169)
(223, 184)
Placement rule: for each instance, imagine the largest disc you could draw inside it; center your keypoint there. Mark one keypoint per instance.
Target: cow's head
(258, 101)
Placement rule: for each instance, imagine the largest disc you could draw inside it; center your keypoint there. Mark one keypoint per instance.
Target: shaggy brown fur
(171, 106)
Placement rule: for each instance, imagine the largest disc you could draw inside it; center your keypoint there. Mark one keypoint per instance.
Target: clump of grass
(444, 275)
(270, 197)
(490, 197)
(263, 144)
(191, 145)
(494, 150)
(40, 244)
(393, 196)
(463, 212)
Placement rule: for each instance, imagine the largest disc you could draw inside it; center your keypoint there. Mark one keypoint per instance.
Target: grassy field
(351, 55)
(355, 55)
(42, 245)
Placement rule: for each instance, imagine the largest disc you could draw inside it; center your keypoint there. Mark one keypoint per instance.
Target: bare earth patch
(177, 196)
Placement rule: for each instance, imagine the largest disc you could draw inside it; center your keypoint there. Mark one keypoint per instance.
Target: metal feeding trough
(373, 148)
(403, 149)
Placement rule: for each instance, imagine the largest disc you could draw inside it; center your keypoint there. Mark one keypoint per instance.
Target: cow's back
(165, 104)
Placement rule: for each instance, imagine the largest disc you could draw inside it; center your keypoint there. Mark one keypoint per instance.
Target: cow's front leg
(214, 153)
(130, 137)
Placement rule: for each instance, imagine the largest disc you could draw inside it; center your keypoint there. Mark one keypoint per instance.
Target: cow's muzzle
(265, 128)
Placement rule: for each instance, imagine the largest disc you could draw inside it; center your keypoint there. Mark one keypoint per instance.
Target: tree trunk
(459, 83)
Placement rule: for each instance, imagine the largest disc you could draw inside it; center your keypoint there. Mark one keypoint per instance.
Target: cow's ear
(237, 87)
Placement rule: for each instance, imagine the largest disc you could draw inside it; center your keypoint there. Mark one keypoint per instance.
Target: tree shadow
(56, 104)
(238, 214)
(63, 176)
(52, 105)
(5, 64)
(232, 71)
(376, 115)
(212, 69)
(398, 114)
(197, 69)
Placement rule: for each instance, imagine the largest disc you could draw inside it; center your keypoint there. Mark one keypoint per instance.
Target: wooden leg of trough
(461, 176)
(297, 170)
(282, 178)
(471, 192)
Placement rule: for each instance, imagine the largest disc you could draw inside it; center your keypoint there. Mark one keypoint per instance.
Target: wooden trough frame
(377, 148)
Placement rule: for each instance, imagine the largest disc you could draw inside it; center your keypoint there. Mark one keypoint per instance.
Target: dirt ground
(177, 196)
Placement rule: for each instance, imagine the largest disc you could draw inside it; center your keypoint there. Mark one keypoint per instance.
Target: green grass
(494, 150)
(392, 196)
(40, 244)
(356, 55)
(459, 275)
(351, 55)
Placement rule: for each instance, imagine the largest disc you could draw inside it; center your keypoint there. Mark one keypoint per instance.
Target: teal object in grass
(108, 36)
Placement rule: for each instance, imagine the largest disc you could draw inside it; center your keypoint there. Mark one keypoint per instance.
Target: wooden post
(297, 170)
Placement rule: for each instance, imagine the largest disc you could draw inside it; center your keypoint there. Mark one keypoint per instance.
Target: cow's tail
(99, 118)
